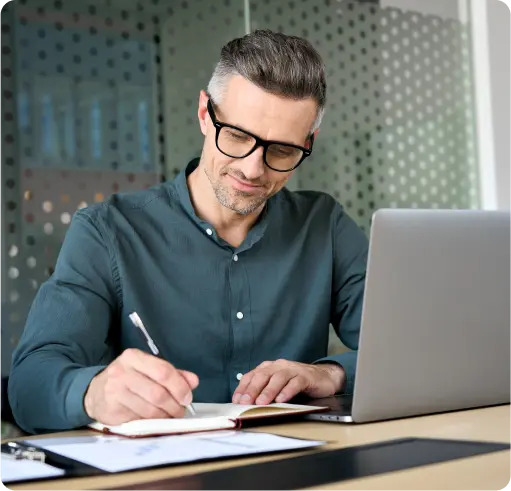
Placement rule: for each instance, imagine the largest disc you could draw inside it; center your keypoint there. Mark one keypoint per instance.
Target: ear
(202, 112)
(314, 134)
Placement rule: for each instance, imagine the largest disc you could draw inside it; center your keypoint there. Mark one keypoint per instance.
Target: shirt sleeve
(64, 343)
(350, 260)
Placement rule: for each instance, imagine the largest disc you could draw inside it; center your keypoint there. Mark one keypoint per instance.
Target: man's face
(244, 184)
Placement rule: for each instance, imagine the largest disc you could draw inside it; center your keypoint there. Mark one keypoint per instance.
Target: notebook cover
(107, 431)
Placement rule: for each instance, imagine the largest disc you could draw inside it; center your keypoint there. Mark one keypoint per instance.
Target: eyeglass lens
(237, 143)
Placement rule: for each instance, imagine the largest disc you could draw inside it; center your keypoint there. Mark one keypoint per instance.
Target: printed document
(20, 469)
(121, 454)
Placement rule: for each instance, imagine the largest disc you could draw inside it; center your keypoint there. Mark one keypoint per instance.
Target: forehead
(269, 116)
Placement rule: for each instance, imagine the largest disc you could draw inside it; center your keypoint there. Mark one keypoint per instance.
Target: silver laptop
(435, 332)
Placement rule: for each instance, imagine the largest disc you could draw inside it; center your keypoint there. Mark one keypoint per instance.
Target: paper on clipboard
(116, 455)
(12, 470)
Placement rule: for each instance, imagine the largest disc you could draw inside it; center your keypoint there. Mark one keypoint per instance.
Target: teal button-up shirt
(211, 308)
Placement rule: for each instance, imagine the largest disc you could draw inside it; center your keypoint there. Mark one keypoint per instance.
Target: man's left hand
(281, 380)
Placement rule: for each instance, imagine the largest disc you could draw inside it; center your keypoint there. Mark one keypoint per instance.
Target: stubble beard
(247, 202)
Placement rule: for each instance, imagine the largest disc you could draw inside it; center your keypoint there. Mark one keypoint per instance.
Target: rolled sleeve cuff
(348, 362)
(75, 411)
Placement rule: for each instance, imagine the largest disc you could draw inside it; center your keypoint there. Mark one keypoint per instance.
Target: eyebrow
(215, 107)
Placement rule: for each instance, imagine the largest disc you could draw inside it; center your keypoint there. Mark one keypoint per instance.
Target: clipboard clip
(19, 451)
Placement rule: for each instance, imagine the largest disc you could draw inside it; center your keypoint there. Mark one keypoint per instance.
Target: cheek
(217, 163)
(209, 143)
(212, 156)
(279, 182)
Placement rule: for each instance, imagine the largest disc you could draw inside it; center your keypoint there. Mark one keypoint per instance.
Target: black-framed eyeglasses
(237, 143)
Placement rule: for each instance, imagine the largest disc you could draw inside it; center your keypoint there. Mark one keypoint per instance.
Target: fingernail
(280, 397)
(245, 399)
(188, 399)
(262, 399)
(236, 398)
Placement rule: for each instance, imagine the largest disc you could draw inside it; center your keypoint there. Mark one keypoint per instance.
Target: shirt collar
(255, 233)
(181, 186)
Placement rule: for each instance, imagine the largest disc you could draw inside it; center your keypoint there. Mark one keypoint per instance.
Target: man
(235, 277)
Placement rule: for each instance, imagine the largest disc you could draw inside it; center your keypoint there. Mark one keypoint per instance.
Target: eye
(282, 151)
(236, 135)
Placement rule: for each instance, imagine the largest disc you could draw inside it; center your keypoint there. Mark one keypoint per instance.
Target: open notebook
(209, 416)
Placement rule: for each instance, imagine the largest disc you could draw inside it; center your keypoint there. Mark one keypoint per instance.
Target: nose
(252, 165)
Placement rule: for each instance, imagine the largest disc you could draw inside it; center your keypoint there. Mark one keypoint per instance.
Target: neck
(233, 227)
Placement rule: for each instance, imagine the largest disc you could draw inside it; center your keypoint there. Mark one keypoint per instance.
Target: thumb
(191, 378)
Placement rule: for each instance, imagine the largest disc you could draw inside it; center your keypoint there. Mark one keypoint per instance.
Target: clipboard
(130, 454)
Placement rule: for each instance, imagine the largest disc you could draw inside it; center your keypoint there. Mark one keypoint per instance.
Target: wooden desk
(490, 471)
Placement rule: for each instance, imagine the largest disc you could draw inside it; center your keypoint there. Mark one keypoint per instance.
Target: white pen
(137, 321)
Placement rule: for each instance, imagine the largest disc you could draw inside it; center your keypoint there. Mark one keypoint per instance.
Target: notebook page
(234, 411)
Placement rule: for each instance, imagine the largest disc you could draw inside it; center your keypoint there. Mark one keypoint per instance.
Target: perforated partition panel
(193, 34)
(80, 121)
(398, 129)
(101, 96)
(11, 203)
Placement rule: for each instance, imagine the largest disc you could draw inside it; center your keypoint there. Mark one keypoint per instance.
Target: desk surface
(490, 471)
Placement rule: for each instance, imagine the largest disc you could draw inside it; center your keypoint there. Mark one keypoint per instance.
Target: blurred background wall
(101, 96)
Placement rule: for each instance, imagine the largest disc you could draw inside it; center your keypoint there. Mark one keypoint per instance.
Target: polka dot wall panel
(86, 88)
(11, 216)
(102, 96)
(399, 125)
(81, 120)
(193, 34)
(49, 199)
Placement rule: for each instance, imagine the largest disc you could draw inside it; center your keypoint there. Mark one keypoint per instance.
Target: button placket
(240, 319)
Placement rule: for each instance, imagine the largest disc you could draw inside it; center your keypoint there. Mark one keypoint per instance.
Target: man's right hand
(137, 385)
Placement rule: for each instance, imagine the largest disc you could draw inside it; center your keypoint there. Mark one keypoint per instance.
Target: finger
(248, 376)
(121, 414)
(160, 371)
(124, 415)
(246, 379)
(244, 382)
(293, 387)
(154, 394)
(256, 385)
(274, 386)
(142, 408)
(191, 378)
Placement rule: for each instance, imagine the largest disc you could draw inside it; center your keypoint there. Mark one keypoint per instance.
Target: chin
(244, 206)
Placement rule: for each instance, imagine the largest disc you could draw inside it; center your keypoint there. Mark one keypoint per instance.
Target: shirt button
(239, 376)
(209, 231)
(235, 257)
(239, 315)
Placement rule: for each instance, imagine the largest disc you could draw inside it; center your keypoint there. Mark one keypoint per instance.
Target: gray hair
(283, 65)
